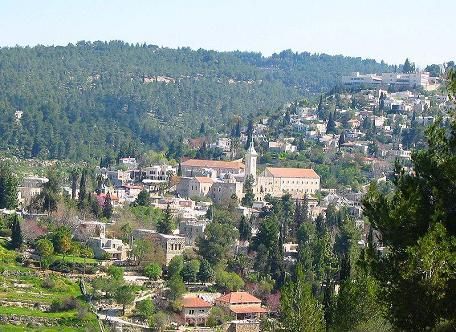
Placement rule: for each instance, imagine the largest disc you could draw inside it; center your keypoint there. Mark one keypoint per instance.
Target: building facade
(295, 181)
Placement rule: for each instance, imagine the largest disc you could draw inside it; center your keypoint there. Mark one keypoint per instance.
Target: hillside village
(289, 157)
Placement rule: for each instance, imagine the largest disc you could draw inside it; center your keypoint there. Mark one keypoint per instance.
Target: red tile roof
(238, 297)
(292, 172)
(195, 302)
(213, 164)
(247, 309)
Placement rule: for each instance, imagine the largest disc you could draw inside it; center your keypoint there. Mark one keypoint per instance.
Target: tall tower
(251, 161)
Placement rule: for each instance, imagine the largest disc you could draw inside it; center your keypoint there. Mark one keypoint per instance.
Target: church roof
(292, 172)
(213, 164)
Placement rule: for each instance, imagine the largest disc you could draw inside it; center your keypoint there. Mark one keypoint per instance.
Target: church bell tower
(251, 161)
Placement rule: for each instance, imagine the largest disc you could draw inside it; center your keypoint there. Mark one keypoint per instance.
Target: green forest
(83, 101)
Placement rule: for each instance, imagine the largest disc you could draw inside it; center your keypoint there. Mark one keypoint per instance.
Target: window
(191, 311)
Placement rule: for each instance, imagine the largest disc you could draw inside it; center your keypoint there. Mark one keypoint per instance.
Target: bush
(48, 282)
(66, 304)
(68, 267)
(5, 232)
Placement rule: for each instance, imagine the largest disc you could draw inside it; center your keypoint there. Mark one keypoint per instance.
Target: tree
(179, 170)
(45, 249)
(166, 224)
(107, 206)
(217, 242)
(250, 129)
(145, 308)
(346, 247)
(434, 70)
(408, 67)
(175, 266)
(190, 270)
(8, 187)
(417, 228)
(159, 321)
(50, 194)
(83, 190)
(267, 238)
(331, 124)
(341, 140)
(124, 295)
(217, 316)
(143, 198)
(153, 271)
(320, 108)
(16, 233)
(249, 196)
(300, 311)
(206, 273)
(245, 229)
(357, 307)
(74, 177)
(61, 239)
(115, 272)
(176, 287)
(202, 130)
(228, 281)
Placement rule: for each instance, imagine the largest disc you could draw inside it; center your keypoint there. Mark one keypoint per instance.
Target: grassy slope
(33, 291)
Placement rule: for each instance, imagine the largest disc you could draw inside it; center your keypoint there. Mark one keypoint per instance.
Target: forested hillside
(81, 101)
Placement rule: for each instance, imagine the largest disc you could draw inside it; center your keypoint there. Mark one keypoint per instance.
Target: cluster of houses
(201, 183)
(242, 306)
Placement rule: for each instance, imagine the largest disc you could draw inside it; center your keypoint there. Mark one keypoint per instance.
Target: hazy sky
(423, 30)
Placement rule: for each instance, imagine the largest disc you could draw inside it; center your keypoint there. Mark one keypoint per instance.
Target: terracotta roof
(212, 163)
(238, 297)
(247, 309)
(204, 179)
(292, 172)
(195, 302)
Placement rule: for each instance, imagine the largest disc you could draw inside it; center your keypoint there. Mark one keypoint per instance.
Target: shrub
(66, 304)
(48, 282)
(5, 232)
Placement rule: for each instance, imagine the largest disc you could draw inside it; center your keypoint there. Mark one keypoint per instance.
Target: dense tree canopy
(417, 224)
(93, 99)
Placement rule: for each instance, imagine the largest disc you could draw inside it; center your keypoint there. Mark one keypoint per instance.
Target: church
(277, 181)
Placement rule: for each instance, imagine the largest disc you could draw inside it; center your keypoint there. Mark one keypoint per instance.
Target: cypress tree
(107, 206)
(165, 225)
(245, 229)
(8, 188)
(16, 233)
(82, 190)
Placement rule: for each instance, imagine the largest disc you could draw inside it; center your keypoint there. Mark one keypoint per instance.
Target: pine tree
(16, 233)
(408, 67)
(300, 311)
(417, 227)
(107, 206)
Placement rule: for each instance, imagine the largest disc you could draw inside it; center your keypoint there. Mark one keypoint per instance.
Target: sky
(389, 30)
